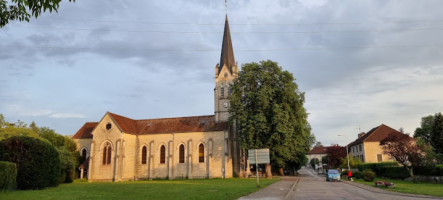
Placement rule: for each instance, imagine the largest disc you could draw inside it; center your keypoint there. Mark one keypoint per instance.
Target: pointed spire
(227, 52)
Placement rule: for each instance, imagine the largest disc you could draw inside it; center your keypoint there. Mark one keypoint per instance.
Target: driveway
(313, 186)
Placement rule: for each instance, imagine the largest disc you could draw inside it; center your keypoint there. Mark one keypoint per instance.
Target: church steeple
(225, 74)
(227, 52)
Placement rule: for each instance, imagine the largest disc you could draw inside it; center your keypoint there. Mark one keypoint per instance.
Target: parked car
(333, 175)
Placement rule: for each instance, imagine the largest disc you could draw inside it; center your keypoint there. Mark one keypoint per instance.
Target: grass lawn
(432, 189)
(156, 189)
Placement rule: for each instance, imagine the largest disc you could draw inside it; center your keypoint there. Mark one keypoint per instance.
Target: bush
(38, 163)
(368, 175)
(395, 172)
(8, 174)
(357, 175)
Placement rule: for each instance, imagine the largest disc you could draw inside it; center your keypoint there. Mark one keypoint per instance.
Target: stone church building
(118, 148)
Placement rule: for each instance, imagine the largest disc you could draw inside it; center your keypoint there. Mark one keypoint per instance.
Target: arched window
(107, 154)
(201, 153)
(144, 154)
(84, 154)
(162, 154)
(181, 154)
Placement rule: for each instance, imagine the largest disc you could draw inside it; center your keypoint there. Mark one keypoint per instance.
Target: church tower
(225, 74)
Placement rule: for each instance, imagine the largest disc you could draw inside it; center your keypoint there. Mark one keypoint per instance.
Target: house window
(144, 154)
(84, 154)
(201, 153)
(229, 91)
(162, 154)
(222, 92)
(359, 147)
(181, 153)
(379, 157)
(107, 154)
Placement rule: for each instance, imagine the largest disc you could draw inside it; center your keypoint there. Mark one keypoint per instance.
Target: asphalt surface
(312, 186)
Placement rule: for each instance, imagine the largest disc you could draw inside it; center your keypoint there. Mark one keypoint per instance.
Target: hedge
(436, 170)
(439, 170)
(8, 175)
(378, 168)
(395, 173)
(38, 163)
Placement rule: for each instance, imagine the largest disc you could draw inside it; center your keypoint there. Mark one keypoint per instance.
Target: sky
(360, 63)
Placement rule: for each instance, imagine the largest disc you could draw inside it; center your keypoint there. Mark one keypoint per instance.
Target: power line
(254, 24)
(243, 50)
(235, 32)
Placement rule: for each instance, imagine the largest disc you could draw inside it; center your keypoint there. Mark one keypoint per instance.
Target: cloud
(66, 115)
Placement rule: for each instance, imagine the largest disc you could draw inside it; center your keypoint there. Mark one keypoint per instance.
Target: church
(118, 148)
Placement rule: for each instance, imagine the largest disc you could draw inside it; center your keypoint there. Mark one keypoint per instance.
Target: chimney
(361, 134)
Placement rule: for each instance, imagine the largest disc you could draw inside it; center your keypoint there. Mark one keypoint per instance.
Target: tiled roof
(376, 134)
(153, 126)
(318, 150)
(169, 125)
(85, 131)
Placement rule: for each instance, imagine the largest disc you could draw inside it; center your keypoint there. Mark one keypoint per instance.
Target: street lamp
(347, 154)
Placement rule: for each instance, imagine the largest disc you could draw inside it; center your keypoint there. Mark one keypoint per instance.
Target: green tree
(353, 162)
(424, 132)
(23, 10)
(314, 162)
(267, 108)
(437, 133)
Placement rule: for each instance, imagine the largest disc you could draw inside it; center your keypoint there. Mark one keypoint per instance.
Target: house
(118, 148)
(317, 152)
(367, 146)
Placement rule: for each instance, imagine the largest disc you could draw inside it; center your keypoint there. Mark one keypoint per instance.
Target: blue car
(333, 175)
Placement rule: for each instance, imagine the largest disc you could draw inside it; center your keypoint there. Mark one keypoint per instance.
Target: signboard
(262, 156)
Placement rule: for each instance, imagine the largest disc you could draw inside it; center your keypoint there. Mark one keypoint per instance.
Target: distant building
(119, 148)
(367, 146)
(317, 152)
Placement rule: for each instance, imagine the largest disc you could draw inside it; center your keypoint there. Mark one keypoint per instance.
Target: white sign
(262, 156)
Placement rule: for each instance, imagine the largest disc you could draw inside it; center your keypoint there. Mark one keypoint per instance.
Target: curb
(291, 191)
(378, 190)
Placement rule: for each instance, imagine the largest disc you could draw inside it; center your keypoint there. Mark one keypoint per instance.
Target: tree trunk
(280, 171)
(411, 171)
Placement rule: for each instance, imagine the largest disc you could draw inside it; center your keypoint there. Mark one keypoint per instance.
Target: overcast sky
(360, 63)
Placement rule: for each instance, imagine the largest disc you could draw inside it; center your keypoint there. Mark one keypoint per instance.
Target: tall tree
(437, 133)
(404, 150)
(267, 108)
(22, 10)
(424, 131)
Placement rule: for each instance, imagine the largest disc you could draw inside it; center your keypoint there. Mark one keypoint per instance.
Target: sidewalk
(378, 190)
(280, 190)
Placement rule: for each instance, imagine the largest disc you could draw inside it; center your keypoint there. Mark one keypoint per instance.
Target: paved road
(313, 186)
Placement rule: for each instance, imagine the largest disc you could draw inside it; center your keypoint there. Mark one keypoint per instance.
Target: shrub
(38, 163)
(368, 175)
(357, 175)
(395, 172)
(8, 174)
